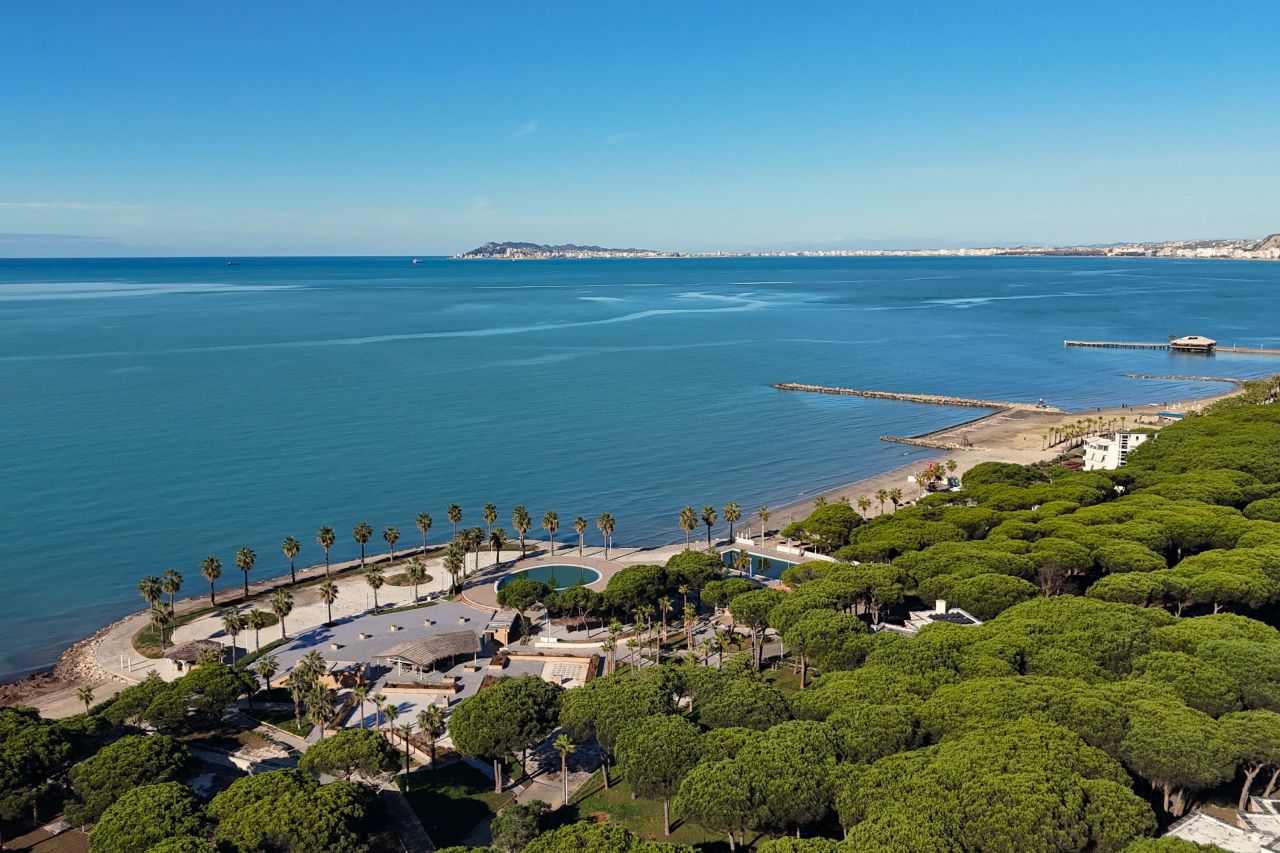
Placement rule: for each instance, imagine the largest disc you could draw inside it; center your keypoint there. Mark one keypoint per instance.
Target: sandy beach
(1004, 436)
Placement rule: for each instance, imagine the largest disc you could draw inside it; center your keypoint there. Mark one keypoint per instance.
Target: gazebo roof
(437, 647)
(190, 651)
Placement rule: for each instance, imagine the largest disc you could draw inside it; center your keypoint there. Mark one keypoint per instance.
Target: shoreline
(1002, 436)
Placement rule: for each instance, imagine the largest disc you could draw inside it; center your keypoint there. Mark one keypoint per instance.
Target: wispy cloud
(64, 205)
(615, 138)
(527, 129)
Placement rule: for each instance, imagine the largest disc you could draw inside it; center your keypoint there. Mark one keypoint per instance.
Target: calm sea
(155, 411)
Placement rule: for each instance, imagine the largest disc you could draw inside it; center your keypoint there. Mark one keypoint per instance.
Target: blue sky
(427, 128)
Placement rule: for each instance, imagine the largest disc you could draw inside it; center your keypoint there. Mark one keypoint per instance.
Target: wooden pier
(931, 399)
(1118, 344)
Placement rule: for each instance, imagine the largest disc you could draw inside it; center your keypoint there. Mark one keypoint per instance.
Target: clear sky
(429, 127)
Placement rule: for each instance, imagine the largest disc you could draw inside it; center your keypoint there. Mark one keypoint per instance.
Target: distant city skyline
(409, 128)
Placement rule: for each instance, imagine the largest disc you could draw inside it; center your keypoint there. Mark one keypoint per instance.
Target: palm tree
(291, 548)
(453, 563)
(416, 572)
(162, 620)
(267, 667)
(580, 525)
(171, 582)
(688, 523)
(391, 712)
(320, 708)
(423, 522)
(882, 495)
(405, 731)
(362, 534)
(455, 517)
(151, 590)
(281, 606)
(232, 624)
(607, 645)
(211, 568)
(764, 514)
(565, 747)
(245, 559)
(391, 535)
(490, 515)
(497, 540)
(895, 498)
(328, 594)
(664, 607)
(732, 514)
(255, 620)
(606, 524)
(375, 580)
(431, 722)
(379, 701)
(708, 518)
(551, 523)
(85, 695)
(864, 504)
(299, 686)
(360, 693)
(690, 622)
(312, 666)
(521, 521)
(325, 537)
(683, 589)
(742, 562)
(474, 539)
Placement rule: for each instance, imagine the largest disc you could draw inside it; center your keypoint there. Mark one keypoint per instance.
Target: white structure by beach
(941, 612)
(1106, 453)
(1255, 831)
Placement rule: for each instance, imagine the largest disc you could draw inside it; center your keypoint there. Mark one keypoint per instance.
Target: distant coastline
(1266, 249)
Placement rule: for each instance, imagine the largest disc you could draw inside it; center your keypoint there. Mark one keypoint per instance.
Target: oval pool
(556, 577)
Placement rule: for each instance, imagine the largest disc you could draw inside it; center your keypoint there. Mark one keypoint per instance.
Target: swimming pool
(556, 577)
(761, 567)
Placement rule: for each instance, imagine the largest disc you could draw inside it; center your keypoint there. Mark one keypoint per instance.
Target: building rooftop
(427, 651)
(190, 651)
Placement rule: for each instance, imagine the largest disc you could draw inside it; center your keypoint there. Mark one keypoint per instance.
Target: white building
(1106, 453)
(1255, 831)
(918, 619)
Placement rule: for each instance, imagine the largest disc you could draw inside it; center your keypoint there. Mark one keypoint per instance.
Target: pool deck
(481, 592)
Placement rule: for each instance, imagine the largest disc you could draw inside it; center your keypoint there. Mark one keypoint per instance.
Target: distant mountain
(538, 251)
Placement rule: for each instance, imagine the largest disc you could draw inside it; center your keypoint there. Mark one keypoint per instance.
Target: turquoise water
(556, 577)
(155, 411)
(761, 567)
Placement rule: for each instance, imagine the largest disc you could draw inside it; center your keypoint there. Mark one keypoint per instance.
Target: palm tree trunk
(246, 584)
(564, 776)
(212, 596)
(666, 816)
(497, 776)
(292, 574)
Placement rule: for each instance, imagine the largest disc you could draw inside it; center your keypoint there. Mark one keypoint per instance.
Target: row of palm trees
(1074, 433)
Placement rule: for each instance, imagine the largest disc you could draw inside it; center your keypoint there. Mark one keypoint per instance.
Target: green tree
(431, 724)
(565, 747)
(602, 708)
(374, 578)
(716, 795)
(325, 537)
(288, 810)
(507, 718)
(351, 752)
(709, 519)
(580, 525)
(1176, 749)
(255, 621)
(233, 622)
(129, 762)
(245, 558)
(171, 583)
(391, 535)
(654, 755)
(521, 522)
(362, 533)
(606, 525)
(151, 590)
(497, 541)
(517, 824)
(598, 838)
(454, 563)
(744, 703)
(329, 594)
(732, 514)
(454, 514)
(416, 572)
(752, 610)
(146, 816)
(266, 667)
(1252, 739)
(519, 595)
(291, 548)
(688, 523)
(211, 568)
(281, 606)
(490, 515)
(551, 523)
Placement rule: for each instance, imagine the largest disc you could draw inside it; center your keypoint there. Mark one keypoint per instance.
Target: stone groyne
(1184, 378)
(932, 399)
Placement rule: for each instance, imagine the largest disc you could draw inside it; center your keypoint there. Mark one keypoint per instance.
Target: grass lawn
(452, 800)
(785, 680)
(281, 718)
(641, 816)
(418, 606)
(402, 579)
(147, 641)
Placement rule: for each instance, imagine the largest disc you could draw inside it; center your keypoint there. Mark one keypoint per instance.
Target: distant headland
(1267, 249)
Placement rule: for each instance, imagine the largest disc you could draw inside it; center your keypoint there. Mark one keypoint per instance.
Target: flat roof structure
(426, 652)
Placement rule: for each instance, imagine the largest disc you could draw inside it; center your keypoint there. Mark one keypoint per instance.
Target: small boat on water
(417, 260)
(233, 263)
